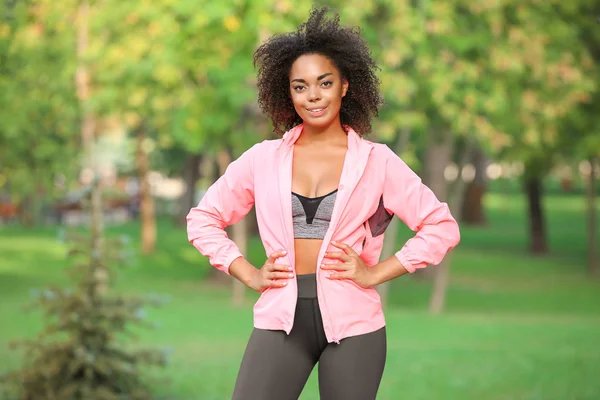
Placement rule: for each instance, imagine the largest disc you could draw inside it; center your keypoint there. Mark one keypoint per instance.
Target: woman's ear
(344, 87)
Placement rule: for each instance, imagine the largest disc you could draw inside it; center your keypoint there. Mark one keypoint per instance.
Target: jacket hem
(358, 329)
(362, 329)
(270, 326)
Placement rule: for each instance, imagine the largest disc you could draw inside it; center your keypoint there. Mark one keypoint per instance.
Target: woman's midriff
(307, 253)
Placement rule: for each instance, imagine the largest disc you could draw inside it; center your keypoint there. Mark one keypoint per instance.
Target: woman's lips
(317, 112)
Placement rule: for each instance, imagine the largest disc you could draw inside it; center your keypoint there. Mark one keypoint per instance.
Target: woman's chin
(317, 122)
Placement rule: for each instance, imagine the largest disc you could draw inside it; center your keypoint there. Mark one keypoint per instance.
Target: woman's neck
(322, 135)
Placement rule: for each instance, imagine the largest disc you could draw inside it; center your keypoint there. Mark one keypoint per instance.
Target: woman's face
(316, 89)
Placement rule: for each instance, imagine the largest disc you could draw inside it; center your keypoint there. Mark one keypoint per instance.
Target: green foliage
(580, 134)
(38, 106)
(82, 353)
(507, 73)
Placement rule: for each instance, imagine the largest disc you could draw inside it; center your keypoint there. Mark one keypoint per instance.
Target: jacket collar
(290, 137)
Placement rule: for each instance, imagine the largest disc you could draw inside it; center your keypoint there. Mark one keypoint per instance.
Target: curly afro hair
(343, 46)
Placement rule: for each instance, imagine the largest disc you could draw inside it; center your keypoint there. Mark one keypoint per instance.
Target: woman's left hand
(351, 266)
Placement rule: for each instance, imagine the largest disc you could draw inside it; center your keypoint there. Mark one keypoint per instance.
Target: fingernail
(291, 275)
(284, 283)
(289, 268)
(284, 252)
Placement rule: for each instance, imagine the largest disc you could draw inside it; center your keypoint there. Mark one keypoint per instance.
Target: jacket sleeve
(225, 203)
(417, 206)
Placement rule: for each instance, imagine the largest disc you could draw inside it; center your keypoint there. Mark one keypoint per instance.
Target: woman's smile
(316, 111)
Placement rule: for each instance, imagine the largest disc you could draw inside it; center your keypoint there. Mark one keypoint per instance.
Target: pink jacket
(375, 184)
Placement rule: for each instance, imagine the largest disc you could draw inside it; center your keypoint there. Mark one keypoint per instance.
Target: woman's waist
(306, 251)
(306, 255)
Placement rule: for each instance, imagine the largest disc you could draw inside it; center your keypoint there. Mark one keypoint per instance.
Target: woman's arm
(417, 206)
(225, 203)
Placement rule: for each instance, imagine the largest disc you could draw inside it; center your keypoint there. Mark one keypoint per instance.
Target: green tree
(579, 138)
(38, 107)
(80, 354)
(550, 80)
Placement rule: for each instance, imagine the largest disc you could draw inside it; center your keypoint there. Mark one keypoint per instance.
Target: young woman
(324, 197)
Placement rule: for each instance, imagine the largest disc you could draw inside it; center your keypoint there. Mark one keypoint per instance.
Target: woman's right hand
(271, 275)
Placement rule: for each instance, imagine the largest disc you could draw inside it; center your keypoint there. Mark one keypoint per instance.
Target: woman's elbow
(196, 224)
(453, 233)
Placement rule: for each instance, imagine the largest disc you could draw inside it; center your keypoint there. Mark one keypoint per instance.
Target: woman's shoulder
(381, 150)
(383, 156)
(263, 146)
(261, 151)
(269, 144)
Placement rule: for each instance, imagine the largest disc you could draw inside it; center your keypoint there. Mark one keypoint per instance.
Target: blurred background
(115, 116)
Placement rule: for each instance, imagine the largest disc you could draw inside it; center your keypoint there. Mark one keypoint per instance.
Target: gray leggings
(276, 366)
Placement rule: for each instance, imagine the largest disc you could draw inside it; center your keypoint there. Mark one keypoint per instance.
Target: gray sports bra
(311, 215)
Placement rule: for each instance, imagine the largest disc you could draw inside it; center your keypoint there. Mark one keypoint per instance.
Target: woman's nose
(314, 94)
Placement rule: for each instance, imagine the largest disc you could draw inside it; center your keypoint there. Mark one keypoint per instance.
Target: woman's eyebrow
(319, 78)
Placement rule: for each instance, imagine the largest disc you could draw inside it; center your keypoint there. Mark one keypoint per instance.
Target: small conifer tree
(82, 354)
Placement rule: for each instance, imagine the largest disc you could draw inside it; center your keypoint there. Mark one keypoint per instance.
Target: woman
(324, 197)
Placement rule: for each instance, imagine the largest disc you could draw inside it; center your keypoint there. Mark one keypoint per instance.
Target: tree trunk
(147, 215)
(191, 174)
(222, 160)
(25, 213)
(593, 267)
(239, 234)
(438, 157)
(441, 277)
(97, 282)
(388, 250)
(537, 225)
(472, 206)
(391, 235)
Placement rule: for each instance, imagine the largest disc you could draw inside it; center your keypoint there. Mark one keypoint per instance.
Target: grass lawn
(516, 327)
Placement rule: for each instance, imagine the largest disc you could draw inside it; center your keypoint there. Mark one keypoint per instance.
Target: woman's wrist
(243, 271)
(386, 270)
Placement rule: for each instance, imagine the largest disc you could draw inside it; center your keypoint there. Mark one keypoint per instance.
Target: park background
(115, 116)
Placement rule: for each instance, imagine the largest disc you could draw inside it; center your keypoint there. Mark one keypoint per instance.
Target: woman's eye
(296, 88)
(327, 83)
